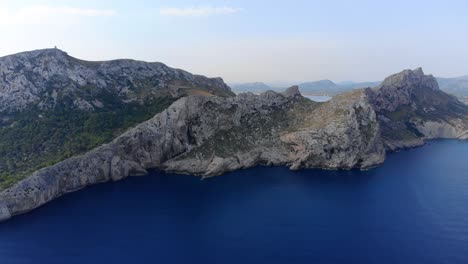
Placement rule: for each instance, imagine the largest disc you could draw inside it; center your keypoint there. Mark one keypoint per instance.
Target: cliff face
(208, 136)
(411, 108)
(43, 78)
(54, 106)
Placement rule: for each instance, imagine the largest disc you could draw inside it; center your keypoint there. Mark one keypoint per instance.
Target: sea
(412, 209)
(318, 98)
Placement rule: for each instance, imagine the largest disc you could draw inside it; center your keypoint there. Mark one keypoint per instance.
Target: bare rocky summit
(44, 77)
(208, 136)
(411, 109)
(54, 106)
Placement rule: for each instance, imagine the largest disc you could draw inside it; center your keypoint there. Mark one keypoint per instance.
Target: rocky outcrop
(411, 109)
(207, 136)
(342, 133)
(54, 106)
(292, 91)
(43, 77)
(438, 129)
(398, 90)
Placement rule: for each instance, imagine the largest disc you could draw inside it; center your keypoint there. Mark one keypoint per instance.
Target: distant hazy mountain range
(327, 87)
(457, 86)
(322, 87)
(253, 87)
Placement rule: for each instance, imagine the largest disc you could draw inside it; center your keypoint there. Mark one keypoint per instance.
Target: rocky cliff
(54, 106)
(43, 78)
(411, 108)
(208, 136)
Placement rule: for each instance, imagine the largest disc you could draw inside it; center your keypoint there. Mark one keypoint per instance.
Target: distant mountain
(327, 87)
(54, 106)
(322, 87)
(456, 86)
(354, 85)
(254, 87)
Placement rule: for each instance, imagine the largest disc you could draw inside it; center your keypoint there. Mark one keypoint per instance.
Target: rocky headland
(210, 135)
(54, 106)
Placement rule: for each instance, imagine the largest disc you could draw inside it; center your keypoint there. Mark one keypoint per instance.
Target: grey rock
(4, 212)
(397, 89)
(411, 109)
(208, 136)
(40, 77)
(292, 91)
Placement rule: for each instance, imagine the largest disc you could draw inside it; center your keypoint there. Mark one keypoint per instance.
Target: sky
(250, 40)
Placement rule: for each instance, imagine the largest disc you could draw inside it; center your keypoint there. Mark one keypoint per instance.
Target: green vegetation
(402, 113)
(256, 127)
(37, 139)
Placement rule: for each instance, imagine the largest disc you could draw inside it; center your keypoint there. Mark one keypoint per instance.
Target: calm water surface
(318, 98)
(413, 209)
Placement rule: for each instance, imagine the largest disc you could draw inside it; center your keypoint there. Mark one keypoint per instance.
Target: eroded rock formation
(208, 136)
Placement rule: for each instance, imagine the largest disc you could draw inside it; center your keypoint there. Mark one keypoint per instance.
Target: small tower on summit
(55, 47)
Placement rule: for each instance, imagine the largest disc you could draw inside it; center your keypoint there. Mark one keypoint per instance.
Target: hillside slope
(412, 108)
(208, 136)
(54, 106)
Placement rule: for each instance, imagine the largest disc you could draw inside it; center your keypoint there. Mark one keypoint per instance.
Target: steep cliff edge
(411, 108)
(54, 106)
(208, 136)
(49, 77)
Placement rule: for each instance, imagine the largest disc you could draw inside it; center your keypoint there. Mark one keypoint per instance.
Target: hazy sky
(250, 40)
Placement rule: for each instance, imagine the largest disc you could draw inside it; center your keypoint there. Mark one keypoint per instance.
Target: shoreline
(3, 215)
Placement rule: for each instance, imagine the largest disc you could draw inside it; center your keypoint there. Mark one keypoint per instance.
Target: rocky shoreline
(208, 136)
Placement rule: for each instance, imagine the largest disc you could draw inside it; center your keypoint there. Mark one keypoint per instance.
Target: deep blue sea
(413, 209)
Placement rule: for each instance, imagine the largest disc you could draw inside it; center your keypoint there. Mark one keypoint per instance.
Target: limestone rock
(411, 108)
(292, 91)
(208, 136)
(41, 77)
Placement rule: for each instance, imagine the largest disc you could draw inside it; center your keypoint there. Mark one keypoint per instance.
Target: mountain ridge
(54, 106)
(26, 76)
(208, 136)
(320, 87)
(457, 86)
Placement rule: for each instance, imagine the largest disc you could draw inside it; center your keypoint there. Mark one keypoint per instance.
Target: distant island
(68, 123)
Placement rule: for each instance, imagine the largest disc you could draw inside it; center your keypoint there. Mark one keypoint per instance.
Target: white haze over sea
(318, 98)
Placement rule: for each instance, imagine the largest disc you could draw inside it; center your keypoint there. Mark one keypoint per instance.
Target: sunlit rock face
(44, 78)
(411, 108)
(210, 135)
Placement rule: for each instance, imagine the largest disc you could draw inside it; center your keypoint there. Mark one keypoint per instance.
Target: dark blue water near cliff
(413, 209)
